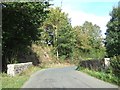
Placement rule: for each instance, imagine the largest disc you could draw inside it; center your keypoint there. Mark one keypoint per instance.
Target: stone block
(14, 69)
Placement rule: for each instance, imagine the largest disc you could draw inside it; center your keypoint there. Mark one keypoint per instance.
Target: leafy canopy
(113, 33)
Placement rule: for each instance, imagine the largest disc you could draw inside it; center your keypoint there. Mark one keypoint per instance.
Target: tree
(57, 32)
(88, 39)
(20, 27)
(113, 33)
(113, 40)
(65, 41)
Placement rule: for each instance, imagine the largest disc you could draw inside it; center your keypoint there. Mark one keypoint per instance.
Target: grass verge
(108, 77)
(18, 80)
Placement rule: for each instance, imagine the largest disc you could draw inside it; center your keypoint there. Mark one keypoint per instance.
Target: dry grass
(47, 59)
(43, 53)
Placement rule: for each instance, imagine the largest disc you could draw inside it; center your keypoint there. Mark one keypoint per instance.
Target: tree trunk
(4, 64)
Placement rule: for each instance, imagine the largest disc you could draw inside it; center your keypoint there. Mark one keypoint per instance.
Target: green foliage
(115, 65)
(108, 77)
(57, 32)
(72, 43)
(113, 40)
(88, 40)
(20, 26)
(113, 33)
(18, 20)
(65, 44)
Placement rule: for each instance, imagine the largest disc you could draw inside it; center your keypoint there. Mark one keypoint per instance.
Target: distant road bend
(66, 77)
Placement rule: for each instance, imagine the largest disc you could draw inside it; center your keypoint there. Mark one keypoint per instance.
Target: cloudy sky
(95, 11)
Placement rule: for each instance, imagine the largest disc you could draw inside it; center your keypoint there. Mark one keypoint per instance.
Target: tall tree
(57, 29)
(20, 27)
(1, 37)
(113, 33)
(88, 39)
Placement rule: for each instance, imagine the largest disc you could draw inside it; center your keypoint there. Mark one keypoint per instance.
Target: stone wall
(13, 69)
(96, 64)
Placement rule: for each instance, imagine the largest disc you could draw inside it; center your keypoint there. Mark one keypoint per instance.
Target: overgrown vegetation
(113, 40)
(108, 77)
(46, 34)
(20, 23)
(46, 27)
(112, 43)
(115, 65)
(71, 43)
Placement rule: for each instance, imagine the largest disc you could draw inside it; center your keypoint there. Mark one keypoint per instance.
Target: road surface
(66, 77)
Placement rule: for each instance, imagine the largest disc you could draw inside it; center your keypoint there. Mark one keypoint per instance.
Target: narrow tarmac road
(66, 77)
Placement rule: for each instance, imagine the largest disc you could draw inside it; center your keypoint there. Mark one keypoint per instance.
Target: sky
(95, 11)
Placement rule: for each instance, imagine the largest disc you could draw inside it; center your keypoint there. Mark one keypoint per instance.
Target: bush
(115, 65)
